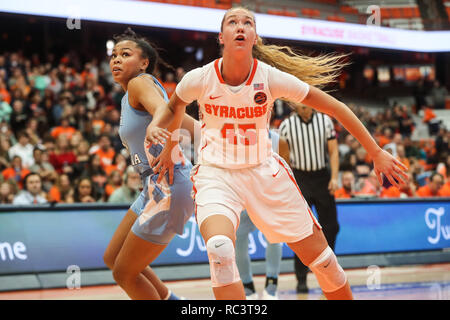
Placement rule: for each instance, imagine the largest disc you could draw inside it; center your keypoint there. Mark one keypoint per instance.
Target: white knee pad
(222, 261)
(328, 272)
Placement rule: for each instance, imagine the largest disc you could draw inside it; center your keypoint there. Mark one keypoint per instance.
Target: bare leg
(136, 254)
(116, 244)
(308, 250)
(220, 225)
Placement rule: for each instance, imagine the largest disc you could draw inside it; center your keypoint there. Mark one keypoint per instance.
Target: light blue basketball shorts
(164, 209)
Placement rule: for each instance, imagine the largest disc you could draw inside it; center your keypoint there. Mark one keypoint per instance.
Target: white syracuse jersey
(235, 125)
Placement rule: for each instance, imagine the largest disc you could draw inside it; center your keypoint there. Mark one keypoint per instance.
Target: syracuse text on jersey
(235, 144)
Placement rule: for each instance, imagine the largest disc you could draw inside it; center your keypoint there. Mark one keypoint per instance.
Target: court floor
(412, 282)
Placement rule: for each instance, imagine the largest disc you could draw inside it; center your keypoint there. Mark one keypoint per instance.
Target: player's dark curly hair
(149, 50)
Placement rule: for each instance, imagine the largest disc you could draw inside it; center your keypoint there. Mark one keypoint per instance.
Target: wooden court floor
(412, 282)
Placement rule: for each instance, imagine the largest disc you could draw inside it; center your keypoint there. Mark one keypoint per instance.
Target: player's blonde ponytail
(315, 70)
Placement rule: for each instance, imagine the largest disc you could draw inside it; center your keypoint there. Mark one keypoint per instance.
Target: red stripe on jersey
(195, 192)
(204, 146)
(216, 66)
(295, 183)
(252, 74)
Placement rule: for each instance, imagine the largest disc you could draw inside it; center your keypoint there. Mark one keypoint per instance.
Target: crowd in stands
(59, 139)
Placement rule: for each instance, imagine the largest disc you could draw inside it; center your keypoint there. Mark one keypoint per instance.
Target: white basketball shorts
(267, 191)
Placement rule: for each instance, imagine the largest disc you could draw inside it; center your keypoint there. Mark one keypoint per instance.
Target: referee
(310, 144)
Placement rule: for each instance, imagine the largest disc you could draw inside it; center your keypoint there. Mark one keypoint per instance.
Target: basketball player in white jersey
(237, 168)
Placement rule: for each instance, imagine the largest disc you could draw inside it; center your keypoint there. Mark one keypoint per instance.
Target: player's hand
(170, 154)
(155, 135)
(394, 170)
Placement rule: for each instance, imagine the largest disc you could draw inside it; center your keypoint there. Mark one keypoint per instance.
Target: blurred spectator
(408, 190)
(35, 106)
(64, 128)
(390, 192)
(119, 163)
(43, 167)
(62, 157)
(7, 192)
(405, 122)
(130, 189)
(420, 92)
(5, 145)
(431, 189)
(411, 149)
(180, 72)
(94, 93)
(401, 155)
(97, 175)
(439, 94)
(32, 130)
(4, 93)
(5, 108)
(39, 78)
(113, 183)
(23, 148)
(391, 147)
(62, 191)
(442, 144)
(433, 123)
(85, 191)
(369, 186)
(347, 190)
(169, 83)
(99, 180)
(348, 161)
(64, 103)
(347, 146)
(16, 171)
(362, 163)
(98, 124)
(82, 156)
(104, 151)
(32, 192)
(385, 137)
(19, 116)
(55, 84)
(444, 191)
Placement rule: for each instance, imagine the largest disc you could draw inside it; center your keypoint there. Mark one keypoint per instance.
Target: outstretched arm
(384, 162)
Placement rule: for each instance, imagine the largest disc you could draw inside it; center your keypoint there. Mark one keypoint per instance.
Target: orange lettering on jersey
(249, 112)
(236, 113)
(258, 112)
(241, 113)
(224, 111)
(215, 108)
(232, 113)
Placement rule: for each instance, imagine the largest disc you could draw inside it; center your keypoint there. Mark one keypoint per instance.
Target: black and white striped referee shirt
(308, 141)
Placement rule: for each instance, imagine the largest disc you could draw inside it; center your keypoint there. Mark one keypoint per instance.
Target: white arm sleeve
(191, 86)
(285, 85)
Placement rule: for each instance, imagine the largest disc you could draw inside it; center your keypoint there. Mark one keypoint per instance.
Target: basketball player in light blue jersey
(161, 210)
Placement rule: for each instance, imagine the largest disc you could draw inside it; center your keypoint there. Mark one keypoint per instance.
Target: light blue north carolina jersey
(132, 130)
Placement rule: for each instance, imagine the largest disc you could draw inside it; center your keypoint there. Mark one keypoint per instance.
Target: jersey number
(247, 133)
